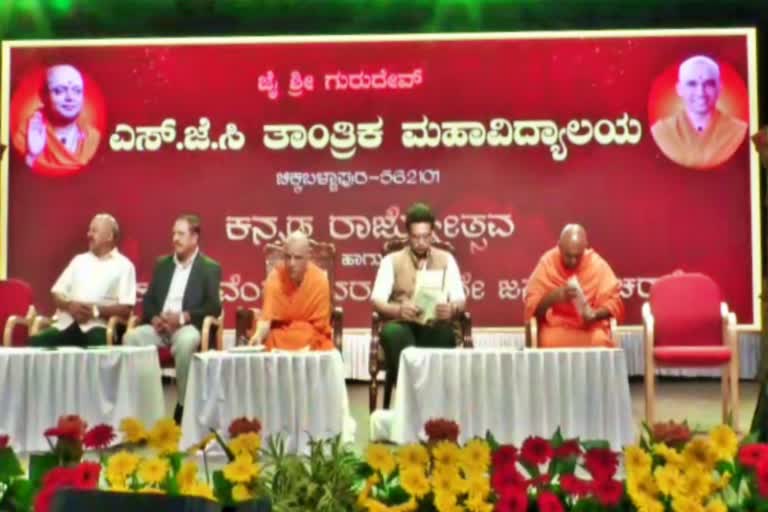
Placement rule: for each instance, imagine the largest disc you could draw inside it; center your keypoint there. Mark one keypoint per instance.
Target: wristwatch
(95, 312)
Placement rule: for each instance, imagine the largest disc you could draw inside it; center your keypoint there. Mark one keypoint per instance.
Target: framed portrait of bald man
(57, 119)
(700, 119)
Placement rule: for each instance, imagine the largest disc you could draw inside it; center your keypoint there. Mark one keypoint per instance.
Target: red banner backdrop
(507, 136)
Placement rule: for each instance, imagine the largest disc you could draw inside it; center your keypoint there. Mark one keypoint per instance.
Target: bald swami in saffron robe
(299, 315)
(563, 325)
(679, 140)
(55, 157)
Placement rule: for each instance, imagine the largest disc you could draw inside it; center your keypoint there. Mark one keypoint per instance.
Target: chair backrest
(396, 244)
(323, 255)
(15, 299)
(686, 310)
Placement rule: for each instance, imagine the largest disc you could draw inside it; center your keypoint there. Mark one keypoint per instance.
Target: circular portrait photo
(699, 112)
(57, 118)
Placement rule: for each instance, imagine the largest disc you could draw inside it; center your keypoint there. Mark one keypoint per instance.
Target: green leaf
(752, 438)
(730, 497)
(9, 464)
(39, 465)
(19, 495)
(175, 459)
(557, 438)
(596, 444)
(222, 488)
(491, 440)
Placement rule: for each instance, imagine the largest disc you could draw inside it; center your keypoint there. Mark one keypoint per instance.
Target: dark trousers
(396, 336)
(71, 336)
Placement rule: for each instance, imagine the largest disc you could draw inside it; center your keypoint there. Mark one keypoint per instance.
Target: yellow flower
(651, 505)
(642, 488)
(153, 471)
(447, 479)
(724, 442)
(722, 482)
(151, 490)
(414, 482)
(446, 453)
(249, 442)
(374, 506)
(478, 504)
(380, 458)
(478, 486)
(684, 504)
(409, 506)
(697, 482)
(187, 474)
(198, 489)
(476, 455)
(120, 466)
(670, 455)
(716, 505)
(241, 493)
(242, 470)
(133, 430)
(699, 452)
(412, 455)
(637, 461)
(668, 478)
(444, 501)
(164, 437)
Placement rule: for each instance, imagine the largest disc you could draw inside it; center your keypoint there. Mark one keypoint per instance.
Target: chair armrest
(41, 322)
(112, 324)
(648, 336)
(209, 322)
(614, 327)
(133, 322)
(466, 329)
(337, 324)
(373, 359)
(532, 333)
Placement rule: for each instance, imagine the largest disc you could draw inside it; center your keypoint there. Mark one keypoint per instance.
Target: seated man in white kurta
(95, 285)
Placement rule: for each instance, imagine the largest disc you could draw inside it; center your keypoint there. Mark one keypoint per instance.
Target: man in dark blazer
(184, 290)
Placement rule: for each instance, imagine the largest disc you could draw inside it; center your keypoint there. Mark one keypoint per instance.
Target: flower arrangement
(712, 472)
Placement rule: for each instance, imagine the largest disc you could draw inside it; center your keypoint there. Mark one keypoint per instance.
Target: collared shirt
(385, 280)
(175, 297)
(105, 281)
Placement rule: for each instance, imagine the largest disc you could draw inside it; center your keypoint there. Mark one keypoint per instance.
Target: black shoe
(178, 412)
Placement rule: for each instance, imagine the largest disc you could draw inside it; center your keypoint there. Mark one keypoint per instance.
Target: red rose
(608, 492)
(243, 426)
(87, 475)
(570, 448)
(762, 478)
(540, 481)
(548, 502)
(750, 455)
(52, 432)
(535, 451)
(601, 463)
(672, 434)
(504, 456)
(99, 437)
(508, 480)
(574, 486)
(54, 480)
(4, 441)
(71, 427)
(442, 430)
(516, 501)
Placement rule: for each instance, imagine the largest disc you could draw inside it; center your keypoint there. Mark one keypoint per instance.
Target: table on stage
(100, 384)
(512, 393)
(299, 395)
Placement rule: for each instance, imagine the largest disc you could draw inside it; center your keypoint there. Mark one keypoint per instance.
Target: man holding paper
(573, 293)
(419, 289)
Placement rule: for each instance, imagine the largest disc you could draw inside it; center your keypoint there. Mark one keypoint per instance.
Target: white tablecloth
(101, 385)
(297, 395)
(356, 348)
(513, 393)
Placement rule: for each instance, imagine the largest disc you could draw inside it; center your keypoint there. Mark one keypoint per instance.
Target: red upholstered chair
(687, 326)
(16, 311)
